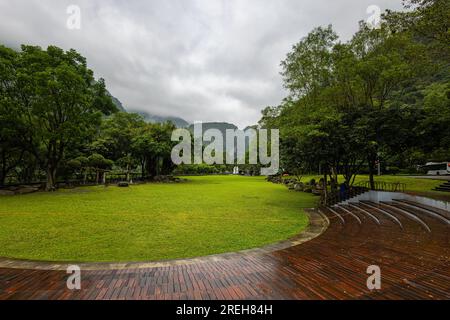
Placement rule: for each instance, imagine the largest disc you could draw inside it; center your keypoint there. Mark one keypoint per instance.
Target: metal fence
(383, 186)
(337, 196)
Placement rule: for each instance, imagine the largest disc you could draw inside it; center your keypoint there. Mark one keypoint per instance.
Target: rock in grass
(6, 193)
(27, 189)
(123, 184)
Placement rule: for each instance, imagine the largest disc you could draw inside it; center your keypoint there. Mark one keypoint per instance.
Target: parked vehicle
(437, 168)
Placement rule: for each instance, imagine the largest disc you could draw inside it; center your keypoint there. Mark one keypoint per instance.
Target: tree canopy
(56, 119)
(383, 95)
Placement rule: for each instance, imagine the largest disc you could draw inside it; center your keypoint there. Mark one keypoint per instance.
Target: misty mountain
(222, 127)
(116, 102)
(178, 122)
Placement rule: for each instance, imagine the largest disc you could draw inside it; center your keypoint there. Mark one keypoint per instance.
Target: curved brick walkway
(414, 264)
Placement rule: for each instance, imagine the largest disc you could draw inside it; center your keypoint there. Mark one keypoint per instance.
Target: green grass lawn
(203, 216)
(413, 184)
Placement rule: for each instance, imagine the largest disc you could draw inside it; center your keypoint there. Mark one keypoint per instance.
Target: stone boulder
(123, 184)
(27, 189)
(274, 179)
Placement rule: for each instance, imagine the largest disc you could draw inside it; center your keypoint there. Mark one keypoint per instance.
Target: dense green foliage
(202, 216)
(57, 121)
(383, 95)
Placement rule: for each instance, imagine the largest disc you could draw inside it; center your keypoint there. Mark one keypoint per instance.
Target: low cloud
(206, 60)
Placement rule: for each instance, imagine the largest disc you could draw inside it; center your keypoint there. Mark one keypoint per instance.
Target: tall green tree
(60, 101)
(152, 146)
(10, 154)
(115, 139)
(353, 103)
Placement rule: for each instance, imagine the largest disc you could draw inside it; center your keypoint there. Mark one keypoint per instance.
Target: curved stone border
(318, 223)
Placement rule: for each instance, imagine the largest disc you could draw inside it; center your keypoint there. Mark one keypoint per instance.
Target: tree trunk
(151, 171)
(143, 169)
(158, 166)
(3, 171)
(2, 179)
(51, 178)
(371, 173)
(334, 179)
(3, 174)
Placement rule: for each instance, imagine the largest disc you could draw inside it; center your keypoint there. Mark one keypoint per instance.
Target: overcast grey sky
(206, 60)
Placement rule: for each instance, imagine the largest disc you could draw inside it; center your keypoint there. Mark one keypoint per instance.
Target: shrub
(196, 169)
(393, 170)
